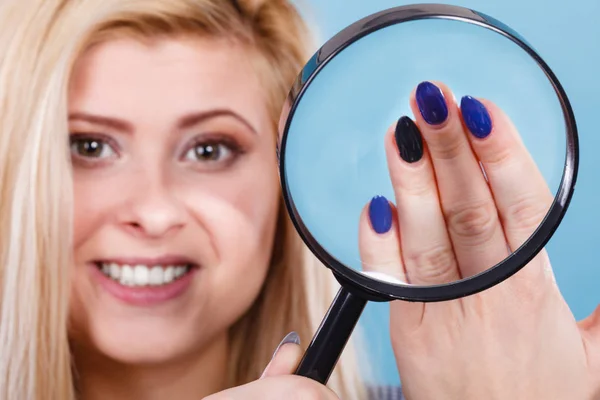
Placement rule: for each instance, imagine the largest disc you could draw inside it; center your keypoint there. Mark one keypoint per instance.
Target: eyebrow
(185, 122)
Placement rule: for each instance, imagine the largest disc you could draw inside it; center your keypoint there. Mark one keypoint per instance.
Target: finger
(467, 203)
(426, 248)
(378, 239)
(519, 189)
(285, 358)
(277, 388)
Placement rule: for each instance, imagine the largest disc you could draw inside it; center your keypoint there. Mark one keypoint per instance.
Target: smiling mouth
(144, 275)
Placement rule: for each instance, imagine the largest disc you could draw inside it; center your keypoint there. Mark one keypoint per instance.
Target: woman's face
(175, 195)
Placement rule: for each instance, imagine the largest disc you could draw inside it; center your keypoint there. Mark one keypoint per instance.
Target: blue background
(565, 35)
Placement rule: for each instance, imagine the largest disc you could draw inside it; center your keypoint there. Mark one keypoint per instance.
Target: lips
(144, 282)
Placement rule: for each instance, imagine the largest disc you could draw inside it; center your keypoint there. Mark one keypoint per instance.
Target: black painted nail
(409, 140)
(380, 214)
(476, 117)
(432, 103)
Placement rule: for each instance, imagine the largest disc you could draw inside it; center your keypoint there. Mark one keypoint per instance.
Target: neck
(193, 377)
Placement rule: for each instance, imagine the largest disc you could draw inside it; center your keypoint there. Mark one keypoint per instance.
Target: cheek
(240, 213)
(92, 200)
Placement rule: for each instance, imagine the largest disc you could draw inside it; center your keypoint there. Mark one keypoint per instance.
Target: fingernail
(476, 117)
(380, 214)
(291, 337)
(409, 140)
(432, 103)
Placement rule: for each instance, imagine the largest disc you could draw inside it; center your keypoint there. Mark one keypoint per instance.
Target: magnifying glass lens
(400, 145)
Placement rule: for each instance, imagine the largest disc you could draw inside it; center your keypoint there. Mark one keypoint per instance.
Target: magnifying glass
(332, 157)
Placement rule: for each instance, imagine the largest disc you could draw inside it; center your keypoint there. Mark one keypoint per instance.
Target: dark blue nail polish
(432, 103)
(380, 214)
(476, 117)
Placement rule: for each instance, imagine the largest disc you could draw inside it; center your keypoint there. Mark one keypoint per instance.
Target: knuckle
(390, 263)
(473, 222)
(434, 264)
(498, 157)
(421, 184)
(525, 214)
(448, 146)
(376, 255)
(526, 290)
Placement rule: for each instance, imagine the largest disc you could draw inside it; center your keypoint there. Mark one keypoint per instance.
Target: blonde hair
(39, 44)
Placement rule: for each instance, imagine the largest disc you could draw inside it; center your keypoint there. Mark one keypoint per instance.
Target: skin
(517, 340)
(147, 193)
(148, 198)
(277, 381)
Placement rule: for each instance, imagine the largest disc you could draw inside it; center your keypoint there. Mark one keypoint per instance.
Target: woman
(169, 109)
(152, 235)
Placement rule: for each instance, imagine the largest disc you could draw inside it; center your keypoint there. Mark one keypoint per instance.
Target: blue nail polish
(432, 103)
(476, 117)
(380, 214)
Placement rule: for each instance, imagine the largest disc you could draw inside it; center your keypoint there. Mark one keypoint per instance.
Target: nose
(153, 211)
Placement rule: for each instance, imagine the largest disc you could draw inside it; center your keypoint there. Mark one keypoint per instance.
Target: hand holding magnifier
(447, 223)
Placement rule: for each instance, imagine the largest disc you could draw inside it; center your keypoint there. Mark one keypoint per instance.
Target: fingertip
(434, 105)
(379, 244)
(286, 358)
(492, 108)
(501, 122)
(392, 128)
(492, 134)
(389, 139)
(414, 107)
(413, 98)
(409, 142)
(447, 92)
(380, 214)
(476, 117)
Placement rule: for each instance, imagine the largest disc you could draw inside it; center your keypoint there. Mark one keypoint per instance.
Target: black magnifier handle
(324, 351)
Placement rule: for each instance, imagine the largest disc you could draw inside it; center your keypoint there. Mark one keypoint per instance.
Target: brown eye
(90, 148)
(209, 152)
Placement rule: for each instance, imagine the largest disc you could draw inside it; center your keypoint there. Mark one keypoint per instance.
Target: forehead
(168, 77)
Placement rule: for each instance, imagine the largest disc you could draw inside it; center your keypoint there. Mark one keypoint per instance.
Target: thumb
(285, 358)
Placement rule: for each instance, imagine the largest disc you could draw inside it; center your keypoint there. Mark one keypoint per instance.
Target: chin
(147, 342)
(137, 335)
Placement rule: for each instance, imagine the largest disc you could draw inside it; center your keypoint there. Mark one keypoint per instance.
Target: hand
(517, 340)
(277, 381)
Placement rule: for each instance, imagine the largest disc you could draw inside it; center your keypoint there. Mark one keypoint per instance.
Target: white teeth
(115, 271)
(142, 275)
(169, 274)
(179, 271)
(156, 276)
(126, 275)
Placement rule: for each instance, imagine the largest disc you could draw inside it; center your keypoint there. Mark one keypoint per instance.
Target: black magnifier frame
(357, 288)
